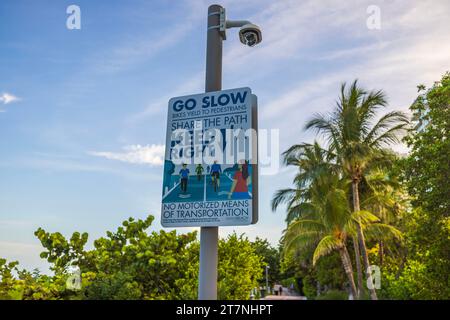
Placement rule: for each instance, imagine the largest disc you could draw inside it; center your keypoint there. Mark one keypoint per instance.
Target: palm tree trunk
(381, 243)
(347, 264)
(358, 268)
(362, 242)
(381, 252)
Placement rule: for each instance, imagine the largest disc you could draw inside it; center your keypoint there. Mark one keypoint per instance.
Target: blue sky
(82, 112)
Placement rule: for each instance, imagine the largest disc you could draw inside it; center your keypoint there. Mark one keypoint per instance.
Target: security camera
(250, 34)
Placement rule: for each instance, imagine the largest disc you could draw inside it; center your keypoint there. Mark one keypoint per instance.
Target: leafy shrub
(333, 295)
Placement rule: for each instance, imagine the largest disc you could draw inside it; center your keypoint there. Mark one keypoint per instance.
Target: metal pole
(213, 51)
(207, 284)
(267, 279)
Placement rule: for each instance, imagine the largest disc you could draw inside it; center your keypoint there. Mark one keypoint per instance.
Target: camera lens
(250, 38)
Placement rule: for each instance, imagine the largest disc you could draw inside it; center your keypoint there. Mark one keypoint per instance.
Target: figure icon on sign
(184, 177)
(199, 171)
(216, 170)
(239, 187)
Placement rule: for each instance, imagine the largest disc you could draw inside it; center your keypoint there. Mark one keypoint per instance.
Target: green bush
(289, 281)
(413, 282)
(333, 295)
(309, 287)
(118, 286)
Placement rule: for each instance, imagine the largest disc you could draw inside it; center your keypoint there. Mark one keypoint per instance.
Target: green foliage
(310, 287)
(326, 274)
(10, 288)
(412, 282)
(116, 286)
(426, 173)
(322, 210)
(290, 282)
(132, 263)
(427, 169)
(240, 268)
(60, 252)
(271, 256)
(329, 272)
(296, 265)
(30, 285)
(333, 295)
(129, 261)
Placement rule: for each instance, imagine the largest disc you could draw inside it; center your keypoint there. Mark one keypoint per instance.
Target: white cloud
(150, 154)
(6, 98)
(411, 48)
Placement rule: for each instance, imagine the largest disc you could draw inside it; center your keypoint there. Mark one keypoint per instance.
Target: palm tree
(317, 210)
(358, 143)
(319, 214)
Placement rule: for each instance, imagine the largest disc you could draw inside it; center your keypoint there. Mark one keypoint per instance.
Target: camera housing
(250, 34)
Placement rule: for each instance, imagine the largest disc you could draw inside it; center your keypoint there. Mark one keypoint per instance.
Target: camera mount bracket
(225, 24)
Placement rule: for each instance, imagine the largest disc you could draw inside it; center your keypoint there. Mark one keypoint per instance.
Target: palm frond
(367, 110)
(325, 246)
(282, 196)
(381, 231)
(302, 225)
(295, 151)
(300, 241)
(365, 217)
(395, 122)
(326, 127)
(303, 210)
(393, 135)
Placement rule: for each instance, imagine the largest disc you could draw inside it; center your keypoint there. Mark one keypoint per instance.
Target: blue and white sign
(210, 168)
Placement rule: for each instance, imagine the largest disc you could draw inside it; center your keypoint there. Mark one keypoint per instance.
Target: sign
(210, 167)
